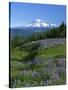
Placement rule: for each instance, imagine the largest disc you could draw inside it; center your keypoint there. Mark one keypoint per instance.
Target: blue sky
(24, 13)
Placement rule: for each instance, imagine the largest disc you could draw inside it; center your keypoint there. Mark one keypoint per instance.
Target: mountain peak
(40, 23)
(38, 20)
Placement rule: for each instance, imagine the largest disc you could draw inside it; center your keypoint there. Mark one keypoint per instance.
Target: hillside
(39, 63)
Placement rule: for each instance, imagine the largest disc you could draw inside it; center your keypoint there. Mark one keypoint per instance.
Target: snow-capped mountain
(38, 23)
(36, 26)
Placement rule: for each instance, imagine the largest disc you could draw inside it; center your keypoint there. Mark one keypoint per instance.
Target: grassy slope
(17, 53)
(56, 51)
(17, 67)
